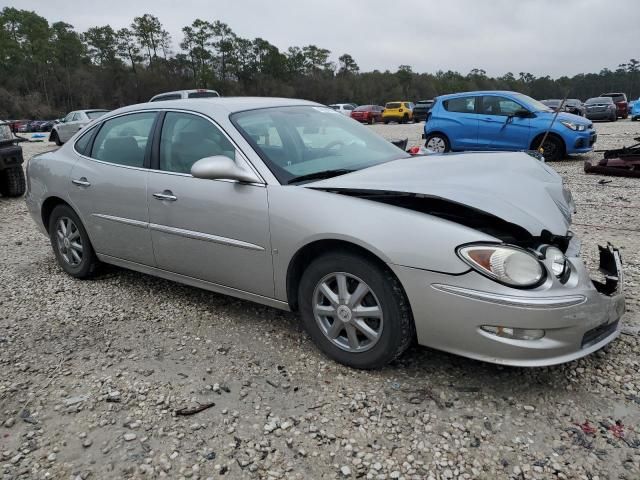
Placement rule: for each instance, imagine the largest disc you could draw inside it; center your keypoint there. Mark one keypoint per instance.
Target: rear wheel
(405, 118)
(354, 310)
(386, 122)
(438, 143)
(71, 244)
(12, 183)
(372, 120)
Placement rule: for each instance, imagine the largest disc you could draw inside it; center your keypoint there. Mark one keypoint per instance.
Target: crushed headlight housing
(507, 264)
(574, 126)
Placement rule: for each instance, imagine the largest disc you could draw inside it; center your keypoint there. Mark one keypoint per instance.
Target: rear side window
(460, 105)
(123, 140)
(188, 138)
(82, 145)
(203, 95)
(174, 96)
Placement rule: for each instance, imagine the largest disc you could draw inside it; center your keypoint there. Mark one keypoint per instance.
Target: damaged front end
(459, 213)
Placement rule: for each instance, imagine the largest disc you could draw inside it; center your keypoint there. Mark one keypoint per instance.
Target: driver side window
(187, 138)
(499, 106)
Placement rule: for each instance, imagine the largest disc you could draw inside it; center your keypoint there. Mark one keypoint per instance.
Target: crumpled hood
(512, 186)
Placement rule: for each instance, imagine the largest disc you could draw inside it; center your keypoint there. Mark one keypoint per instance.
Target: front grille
(599, 333)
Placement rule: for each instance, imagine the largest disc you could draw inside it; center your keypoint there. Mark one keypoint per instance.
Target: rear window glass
(363, 108)
(393, 105)
(617, 97)
(96, 114)
(175, 96)
(460, 105)
(203, 95)
(599, 100)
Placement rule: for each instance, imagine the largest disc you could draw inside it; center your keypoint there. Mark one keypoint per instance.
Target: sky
(543, 37)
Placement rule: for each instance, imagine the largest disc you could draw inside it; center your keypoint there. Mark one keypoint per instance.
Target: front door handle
(166, 195)
(81, 182)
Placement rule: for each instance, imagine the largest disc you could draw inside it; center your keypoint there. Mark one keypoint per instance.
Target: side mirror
(220, 167)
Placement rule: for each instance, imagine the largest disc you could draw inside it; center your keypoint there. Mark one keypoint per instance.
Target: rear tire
(70, 242)
(12, 182)
(336, 327)
(437, 143)
(386, 122)
(53, 137)
(372, 120)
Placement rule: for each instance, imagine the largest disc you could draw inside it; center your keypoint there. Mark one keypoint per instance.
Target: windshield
(96, 114)
(305, 140)
(531, 104)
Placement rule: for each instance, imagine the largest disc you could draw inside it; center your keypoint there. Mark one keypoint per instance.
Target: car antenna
(553, 120)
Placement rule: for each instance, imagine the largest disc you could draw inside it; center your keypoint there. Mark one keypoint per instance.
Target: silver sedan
(289, 204)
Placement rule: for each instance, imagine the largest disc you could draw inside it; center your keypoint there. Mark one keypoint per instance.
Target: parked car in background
(421, 109)
(635, 110)
(503, 120)
(74, 121)
(12, 181)
(553, 103)
(401, 112)
(182, 94)
(273, 202)
(620, 100)
(46, 126)
(601, 108)
(18, 125)
(343, 108)
(368, 113)
(575, 106)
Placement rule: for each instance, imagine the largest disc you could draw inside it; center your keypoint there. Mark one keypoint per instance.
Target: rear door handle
(166, 195)
(81, 182)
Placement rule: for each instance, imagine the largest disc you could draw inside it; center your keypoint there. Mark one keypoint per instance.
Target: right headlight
(505, 264)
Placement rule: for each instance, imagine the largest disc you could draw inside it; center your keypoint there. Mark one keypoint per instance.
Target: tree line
(47, 69)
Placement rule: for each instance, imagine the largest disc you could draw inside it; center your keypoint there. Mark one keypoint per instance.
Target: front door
(498, 128)
(110, 188)
(212, 230)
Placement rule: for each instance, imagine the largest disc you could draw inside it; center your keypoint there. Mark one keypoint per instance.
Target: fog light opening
(514, 333)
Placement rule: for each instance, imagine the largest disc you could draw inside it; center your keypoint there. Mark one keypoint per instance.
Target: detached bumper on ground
(575, 319)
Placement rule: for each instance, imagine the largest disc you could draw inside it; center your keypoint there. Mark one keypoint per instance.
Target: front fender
(300, 216)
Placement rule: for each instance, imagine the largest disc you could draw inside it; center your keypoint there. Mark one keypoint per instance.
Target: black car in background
(575, 106)
(421, 109)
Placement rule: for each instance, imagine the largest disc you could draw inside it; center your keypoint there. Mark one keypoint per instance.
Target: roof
(479, 92)
(228, 104)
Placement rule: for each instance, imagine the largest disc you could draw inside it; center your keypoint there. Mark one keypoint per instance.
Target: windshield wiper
(320, 175)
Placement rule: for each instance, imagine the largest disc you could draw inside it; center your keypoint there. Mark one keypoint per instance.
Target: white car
(181, 94)
(74, 121)
(343, 108)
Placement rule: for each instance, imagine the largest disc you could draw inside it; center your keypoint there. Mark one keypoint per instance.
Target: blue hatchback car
(501, 120)
(634, 110)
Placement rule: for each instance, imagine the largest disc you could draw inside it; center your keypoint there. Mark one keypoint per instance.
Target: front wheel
(552, 149)
(355, 311)
(71, 244)
(437, 143)
(53, 137)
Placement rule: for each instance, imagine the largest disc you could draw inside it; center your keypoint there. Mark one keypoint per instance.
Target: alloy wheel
(348, 312)
(436, 144)
(69, 241)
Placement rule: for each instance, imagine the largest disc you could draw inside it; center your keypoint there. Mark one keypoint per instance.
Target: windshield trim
(267, 161)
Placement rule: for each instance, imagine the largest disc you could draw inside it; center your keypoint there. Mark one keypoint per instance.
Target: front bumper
(582, 142)
(578, 318)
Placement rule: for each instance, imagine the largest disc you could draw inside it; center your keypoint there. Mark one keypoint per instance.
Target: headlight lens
(574, 126)
(512, 266)
(557, 261)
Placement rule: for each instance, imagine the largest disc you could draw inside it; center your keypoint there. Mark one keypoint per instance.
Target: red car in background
(622, 106)
(368, 113)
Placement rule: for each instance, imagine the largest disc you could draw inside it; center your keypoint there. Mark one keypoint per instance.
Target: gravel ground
(92, 373)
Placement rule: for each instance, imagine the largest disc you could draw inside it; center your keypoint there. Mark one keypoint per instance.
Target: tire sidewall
(88, 263)
(392, 335)
(447, 146)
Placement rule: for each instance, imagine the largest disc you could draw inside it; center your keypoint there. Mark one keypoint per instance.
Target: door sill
(194, 282)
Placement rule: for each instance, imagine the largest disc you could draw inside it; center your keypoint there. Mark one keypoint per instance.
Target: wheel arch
(309, 252)
(47, 208)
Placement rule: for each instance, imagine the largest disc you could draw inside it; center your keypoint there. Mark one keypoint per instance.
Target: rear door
(459, 122)
(109, 186)
(212, 230)
(498, 128)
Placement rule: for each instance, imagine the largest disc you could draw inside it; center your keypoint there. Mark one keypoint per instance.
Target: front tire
(552, 149)
(71, 244)
(12, 182)
(355, 311)
(438, 143)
